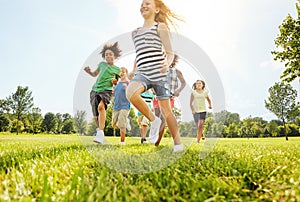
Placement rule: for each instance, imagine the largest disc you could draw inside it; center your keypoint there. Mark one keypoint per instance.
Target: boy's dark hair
(175, 60)
(114, 48)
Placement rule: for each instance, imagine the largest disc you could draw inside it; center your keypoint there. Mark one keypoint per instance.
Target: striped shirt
(149, 53)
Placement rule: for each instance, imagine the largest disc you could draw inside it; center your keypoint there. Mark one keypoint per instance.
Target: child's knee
(129, 93)
(101, 106)
(134, 89)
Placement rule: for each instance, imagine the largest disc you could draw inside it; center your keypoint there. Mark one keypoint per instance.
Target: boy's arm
(182, 83)
(88, 70)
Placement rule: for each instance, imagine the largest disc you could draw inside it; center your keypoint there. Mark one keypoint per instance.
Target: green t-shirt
(106, 74)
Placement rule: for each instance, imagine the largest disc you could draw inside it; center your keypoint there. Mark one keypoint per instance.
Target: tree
(272, 128)
(20, 103)
(288, 44)
(231, 130)
(227, 118)
(4, 123)
(80, 122)
(91, 129)
(35, 119)
(177, 113)
(282, 103)
(4, 108)
(68, 126)
(59, 118)
(16, 126)
(50, 123)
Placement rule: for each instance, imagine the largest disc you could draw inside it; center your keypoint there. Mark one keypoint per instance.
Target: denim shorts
(161, 88)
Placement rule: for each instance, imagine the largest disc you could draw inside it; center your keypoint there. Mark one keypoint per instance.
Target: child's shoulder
(102, 63)
(162, 26)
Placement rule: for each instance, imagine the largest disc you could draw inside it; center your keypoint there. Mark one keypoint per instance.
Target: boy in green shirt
(101, 93)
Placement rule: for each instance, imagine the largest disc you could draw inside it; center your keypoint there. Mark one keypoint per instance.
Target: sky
(45, 45)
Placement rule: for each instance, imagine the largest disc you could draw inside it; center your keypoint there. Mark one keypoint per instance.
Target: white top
(199, 101)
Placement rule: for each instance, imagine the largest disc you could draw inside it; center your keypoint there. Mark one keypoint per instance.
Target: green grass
(73, 168)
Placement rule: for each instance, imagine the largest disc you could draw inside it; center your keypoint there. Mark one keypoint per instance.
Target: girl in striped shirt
(154, 55)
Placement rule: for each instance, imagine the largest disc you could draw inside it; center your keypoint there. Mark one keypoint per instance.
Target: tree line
(18, 115)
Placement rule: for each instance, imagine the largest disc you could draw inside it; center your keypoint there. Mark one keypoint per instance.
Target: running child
(121, 105)
(154, 55)
(198, 106)
(101, 92)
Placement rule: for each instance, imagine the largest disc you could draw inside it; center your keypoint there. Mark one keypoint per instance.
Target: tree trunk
(284, 130)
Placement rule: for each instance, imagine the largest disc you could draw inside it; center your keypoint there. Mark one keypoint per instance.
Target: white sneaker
(122, 143)
(154, 130)
(178, 148)
(99, 136)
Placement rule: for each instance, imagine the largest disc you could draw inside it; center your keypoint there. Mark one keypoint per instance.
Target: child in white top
(197, 103)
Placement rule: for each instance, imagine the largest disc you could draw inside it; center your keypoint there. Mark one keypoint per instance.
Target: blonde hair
(165, 15)
(126, 70)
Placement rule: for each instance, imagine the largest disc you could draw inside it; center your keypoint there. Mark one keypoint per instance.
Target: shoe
(154, 130)
(122, 143)
(99, 136)
(178, 148)
(143, 140)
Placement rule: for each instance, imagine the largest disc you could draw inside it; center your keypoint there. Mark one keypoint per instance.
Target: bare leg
(162, 126)
(133, 93)
(102, 115)
(166, 110)
(143, 130)
(123, 134)
(200, 130)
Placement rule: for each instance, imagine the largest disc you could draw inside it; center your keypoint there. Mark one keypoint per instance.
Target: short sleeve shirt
(199, 101)
(120, 100)
(106, 74)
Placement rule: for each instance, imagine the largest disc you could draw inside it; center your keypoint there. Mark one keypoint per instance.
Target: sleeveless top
(149, 54)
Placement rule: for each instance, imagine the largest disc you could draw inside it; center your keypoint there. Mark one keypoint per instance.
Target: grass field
(73, 168)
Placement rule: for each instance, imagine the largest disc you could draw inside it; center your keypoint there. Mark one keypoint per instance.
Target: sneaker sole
(99, 142)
